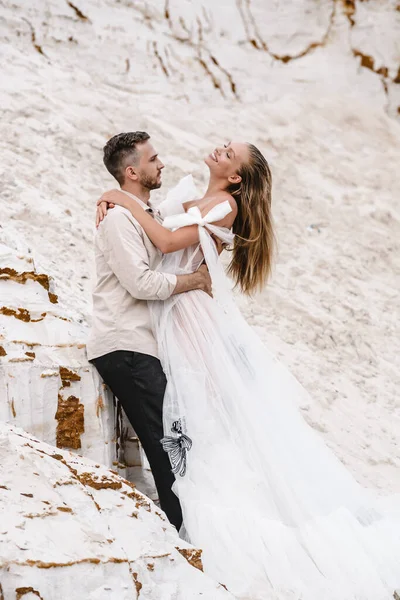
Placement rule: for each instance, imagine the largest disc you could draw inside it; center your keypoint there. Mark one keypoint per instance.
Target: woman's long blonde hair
(254, 241)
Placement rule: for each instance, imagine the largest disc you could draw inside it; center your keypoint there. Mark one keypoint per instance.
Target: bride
(277, 515)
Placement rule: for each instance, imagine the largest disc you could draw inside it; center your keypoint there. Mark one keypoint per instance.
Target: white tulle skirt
(276, 513)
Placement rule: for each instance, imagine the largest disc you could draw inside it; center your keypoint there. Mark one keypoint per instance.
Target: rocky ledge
(71, 528)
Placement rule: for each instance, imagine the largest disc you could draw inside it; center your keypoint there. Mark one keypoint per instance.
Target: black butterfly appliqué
(177, 448)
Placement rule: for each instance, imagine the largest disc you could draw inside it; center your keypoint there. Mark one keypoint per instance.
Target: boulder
(71, 528)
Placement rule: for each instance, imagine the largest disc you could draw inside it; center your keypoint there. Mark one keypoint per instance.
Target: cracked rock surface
(46, 384)
(70, 528)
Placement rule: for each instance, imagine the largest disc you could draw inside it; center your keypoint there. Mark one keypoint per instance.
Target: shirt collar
(145, 206)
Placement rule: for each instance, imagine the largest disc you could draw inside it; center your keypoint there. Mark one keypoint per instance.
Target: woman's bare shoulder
(223, 197)
(233, 204)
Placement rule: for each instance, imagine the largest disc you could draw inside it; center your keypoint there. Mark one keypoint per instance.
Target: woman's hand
(116, 197)
(109, 200)
(101, 210)
(113, 197)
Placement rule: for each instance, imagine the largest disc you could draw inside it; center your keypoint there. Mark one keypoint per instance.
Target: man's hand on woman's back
(200, 280)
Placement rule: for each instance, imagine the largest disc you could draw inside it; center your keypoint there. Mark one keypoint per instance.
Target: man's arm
(126, 255)
(200, 280)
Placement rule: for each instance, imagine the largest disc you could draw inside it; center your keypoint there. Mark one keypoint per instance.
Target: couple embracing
(238, 471)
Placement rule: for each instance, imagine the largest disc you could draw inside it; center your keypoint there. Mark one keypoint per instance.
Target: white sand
(326, 124)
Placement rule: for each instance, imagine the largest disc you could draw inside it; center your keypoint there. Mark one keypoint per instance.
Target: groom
(121, 343)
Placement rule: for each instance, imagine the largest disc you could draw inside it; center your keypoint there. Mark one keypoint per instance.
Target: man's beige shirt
(126, 280)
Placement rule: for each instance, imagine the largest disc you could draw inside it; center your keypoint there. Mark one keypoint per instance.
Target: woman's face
(225, 161)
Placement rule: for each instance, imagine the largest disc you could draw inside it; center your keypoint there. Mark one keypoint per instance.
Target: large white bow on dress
(220, 283)
(194, 217)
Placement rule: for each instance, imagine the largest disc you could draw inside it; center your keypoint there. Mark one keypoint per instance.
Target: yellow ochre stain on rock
(70, 417)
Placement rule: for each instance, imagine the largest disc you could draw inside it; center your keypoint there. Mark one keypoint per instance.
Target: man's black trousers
(139, 383)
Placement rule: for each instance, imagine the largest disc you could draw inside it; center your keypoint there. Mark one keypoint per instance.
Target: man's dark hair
(120, 150)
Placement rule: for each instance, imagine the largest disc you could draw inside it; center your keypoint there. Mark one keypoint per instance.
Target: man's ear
(234, 178)
(130, 173)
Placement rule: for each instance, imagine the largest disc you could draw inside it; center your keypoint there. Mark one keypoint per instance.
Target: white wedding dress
(277, 515)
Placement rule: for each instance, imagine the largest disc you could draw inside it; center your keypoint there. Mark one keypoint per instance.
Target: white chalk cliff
(72, 529)
(47, 387)
(316, 85)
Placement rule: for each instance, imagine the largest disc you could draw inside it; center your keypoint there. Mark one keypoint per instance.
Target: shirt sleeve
(127, 257)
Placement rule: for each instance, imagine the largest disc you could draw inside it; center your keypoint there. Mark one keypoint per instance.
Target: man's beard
(151, 183)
